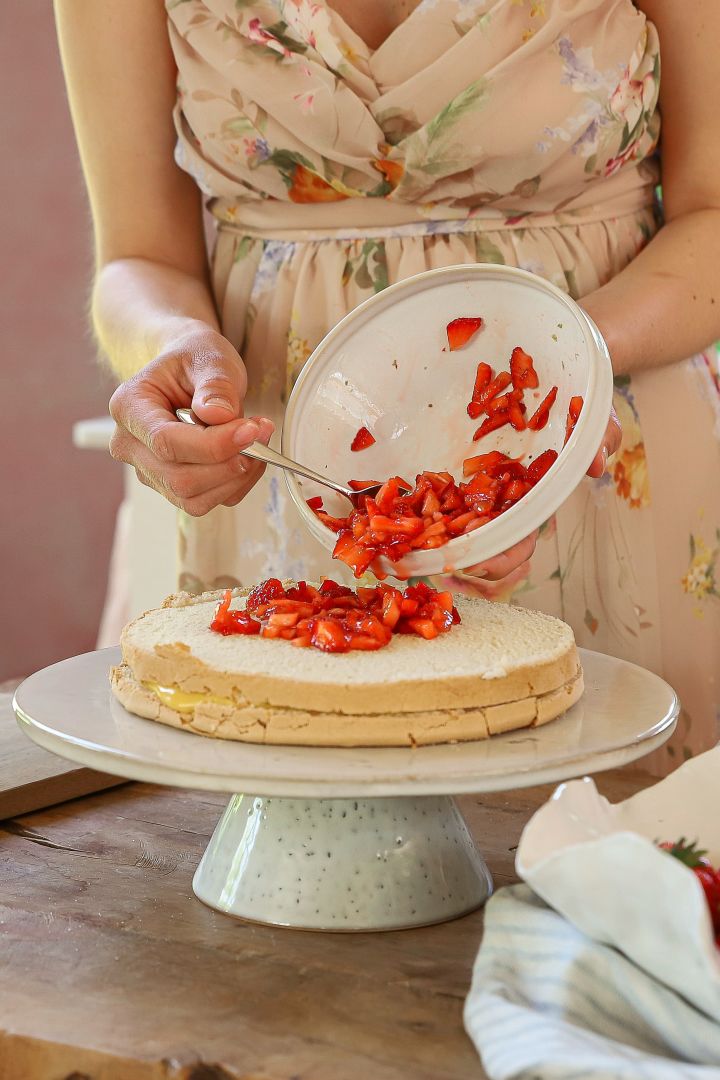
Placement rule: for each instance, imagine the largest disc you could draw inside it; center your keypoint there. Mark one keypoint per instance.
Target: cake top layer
(492, 641)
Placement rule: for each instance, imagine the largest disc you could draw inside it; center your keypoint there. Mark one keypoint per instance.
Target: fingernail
(219, 402)
(246, 434)
(265, 426)
(604, 458)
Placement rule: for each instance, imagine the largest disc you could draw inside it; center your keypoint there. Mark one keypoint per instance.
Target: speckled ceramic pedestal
(342, 864)
(338, 838)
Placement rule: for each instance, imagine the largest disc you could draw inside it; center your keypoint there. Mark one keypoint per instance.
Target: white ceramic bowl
(384, 367)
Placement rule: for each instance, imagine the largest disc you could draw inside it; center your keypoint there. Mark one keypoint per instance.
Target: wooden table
(110, 969)
(32, 778)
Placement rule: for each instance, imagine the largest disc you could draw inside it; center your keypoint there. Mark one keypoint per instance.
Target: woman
(343, 146)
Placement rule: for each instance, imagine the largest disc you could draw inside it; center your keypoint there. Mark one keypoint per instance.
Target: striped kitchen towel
(549, 1003)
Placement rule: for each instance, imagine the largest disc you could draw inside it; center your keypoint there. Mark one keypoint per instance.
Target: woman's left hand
(497, 577)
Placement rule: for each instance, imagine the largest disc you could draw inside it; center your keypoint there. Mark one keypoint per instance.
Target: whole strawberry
(696, 859)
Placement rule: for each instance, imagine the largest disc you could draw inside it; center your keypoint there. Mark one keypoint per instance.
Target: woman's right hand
(195, 468)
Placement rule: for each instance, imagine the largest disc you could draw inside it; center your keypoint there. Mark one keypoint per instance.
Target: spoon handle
(260, 452)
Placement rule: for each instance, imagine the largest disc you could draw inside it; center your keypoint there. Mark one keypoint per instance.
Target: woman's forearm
(665, 305)
(139, 307)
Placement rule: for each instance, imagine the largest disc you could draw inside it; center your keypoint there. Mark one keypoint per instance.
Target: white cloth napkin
(548, 1002)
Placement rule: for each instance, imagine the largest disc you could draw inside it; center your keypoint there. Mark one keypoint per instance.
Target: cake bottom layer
(298, 727)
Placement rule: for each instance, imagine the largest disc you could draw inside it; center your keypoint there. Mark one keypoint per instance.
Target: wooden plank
(110, 968)
(32, 778)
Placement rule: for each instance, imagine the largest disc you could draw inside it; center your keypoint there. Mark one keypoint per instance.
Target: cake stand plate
(344, 839)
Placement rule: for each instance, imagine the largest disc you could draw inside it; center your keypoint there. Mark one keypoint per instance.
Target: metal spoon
(260, 452)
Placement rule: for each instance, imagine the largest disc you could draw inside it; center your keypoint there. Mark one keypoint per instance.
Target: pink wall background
(58, 504)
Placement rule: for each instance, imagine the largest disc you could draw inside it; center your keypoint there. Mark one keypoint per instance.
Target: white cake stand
(339, 839)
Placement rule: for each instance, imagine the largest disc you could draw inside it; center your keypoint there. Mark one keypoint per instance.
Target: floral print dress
(520, 132)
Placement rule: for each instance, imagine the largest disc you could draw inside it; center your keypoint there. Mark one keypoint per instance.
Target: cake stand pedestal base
(343, 864)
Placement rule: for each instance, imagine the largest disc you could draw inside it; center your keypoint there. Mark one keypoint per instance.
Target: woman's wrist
(142, 308)
(179, 331)
(609, 325)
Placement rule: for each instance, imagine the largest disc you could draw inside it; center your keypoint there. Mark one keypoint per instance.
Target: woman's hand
(496, 577)
(195, 468)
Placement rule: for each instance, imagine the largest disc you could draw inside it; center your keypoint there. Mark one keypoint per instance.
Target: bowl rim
(543, 500)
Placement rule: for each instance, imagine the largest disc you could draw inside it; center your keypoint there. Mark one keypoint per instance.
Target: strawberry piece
(461, 330)
(576, 404)
(303, 592)
(349, 551)
(492, 423)
(482, 381)
(431, 504)
(515, 414)
(484, 462)
(233, 622)
(401, 526)
(457, 525)
(426, 628)
(537, 469)
(334, 619)
(515, 489)
(269, 590)
(315, 503)
(498, 404)
(328, 636)
(388, 494)
(363, 439)
(695, 859)
(522, 371)
(539, 418)
(481, 493)
(330, 522)
(358, 485)
(331, 588)
(494, 387)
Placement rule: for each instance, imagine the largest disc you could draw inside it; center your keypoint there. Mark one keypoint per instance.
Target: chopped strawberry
(539, 418)
(233, 622)
(481, 493)
(492, 423)
(522, 371)
(331, 588)
(498, 404)
(576, 404)
(315, 503)
(494, 387)
(516, 414)
(484, 462)
(537, 469)
(460, 331)
(482, 380)
(358, 485)
(349, 551)
(334, 619)
(363, 439)
(269, 590)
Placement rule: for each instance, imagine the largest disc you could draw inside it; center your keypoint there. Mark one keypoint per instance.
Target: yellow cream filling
(184, 700)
